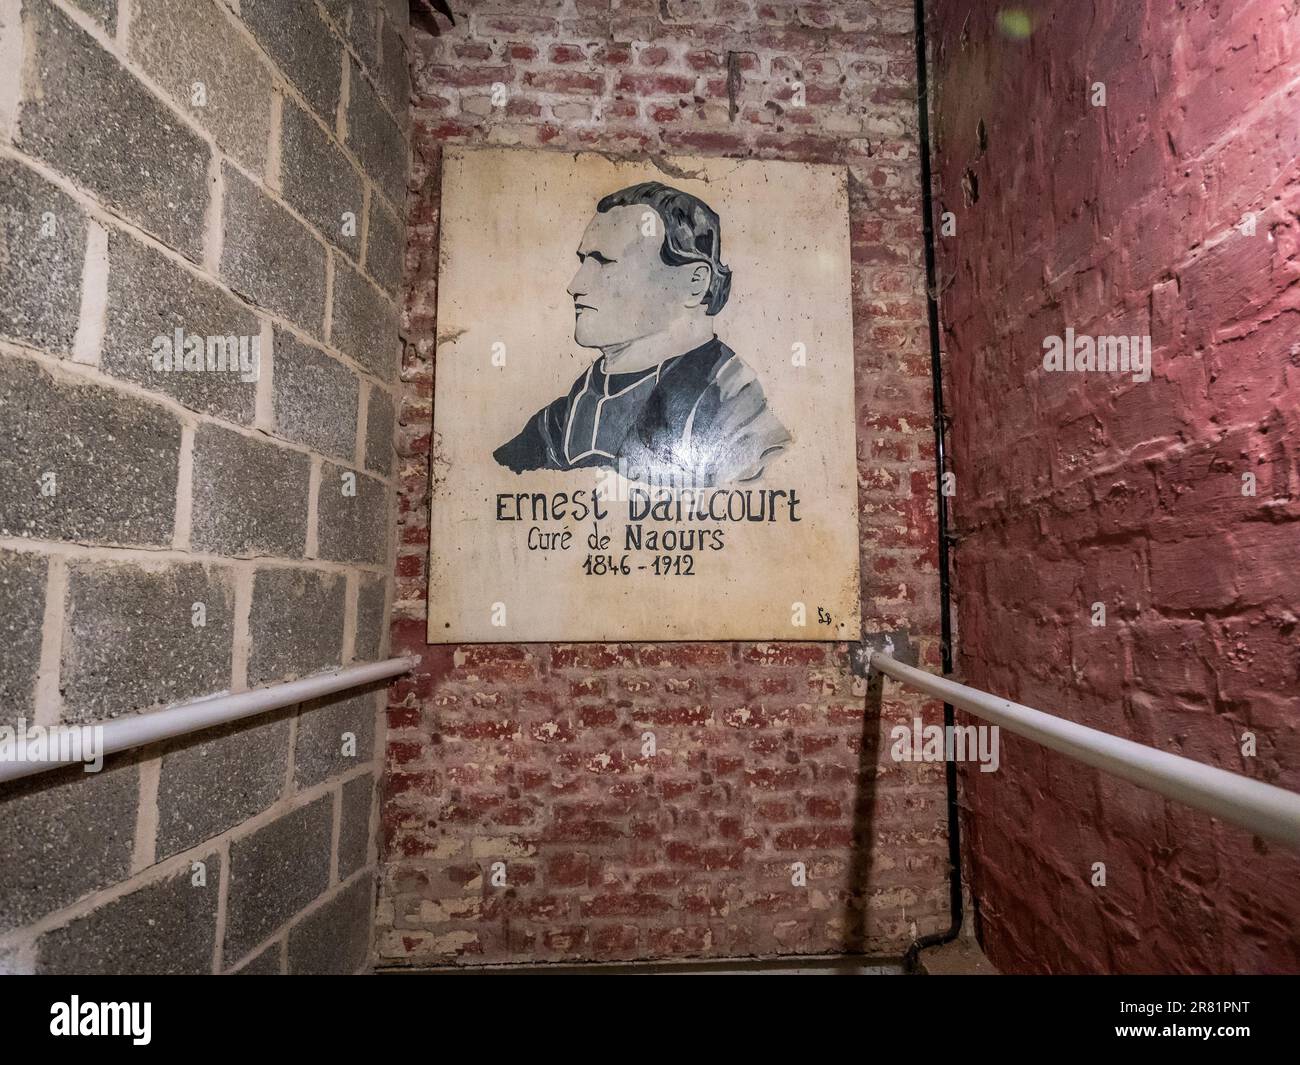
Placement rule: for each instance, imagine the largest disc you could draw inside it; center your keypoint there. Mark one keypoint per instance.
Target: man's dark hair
(692, 232)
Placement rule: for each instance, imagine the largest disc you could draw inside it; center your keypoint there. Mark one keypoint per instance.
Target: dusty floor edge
(961, 957)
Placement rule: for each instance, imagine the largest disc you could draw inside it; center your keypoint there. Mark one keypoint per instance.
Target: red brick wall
(532, 754)
(1075, 489)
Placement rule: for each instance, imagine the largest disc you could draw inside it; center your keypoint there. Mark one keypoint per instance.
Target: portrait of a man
(666, 400)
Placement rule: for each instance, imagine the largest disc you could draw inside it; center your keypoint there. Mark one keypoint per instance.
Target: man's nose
(580, 283)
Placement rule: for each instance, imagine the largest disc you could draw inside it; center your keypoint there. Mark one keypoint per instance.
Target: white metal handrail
(1263, 808)
(122, 733)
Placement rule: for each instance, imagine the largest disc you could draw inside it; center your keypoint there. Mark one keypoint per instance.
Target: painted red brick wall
(531, 754)
(1075, 489)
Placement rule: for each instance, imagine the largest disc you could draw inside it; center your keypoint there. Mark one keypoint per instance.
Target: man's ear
(701, 277)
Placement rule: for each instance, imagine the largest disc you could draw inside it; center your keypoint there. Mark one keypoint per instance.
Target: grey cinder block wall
(232, 171)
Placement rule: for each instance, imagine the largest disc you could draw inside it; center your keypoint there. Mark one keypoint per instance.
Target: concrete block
(379, 432)
(282, 645)
(385, 246)
(269, 257)
(83, 462)
(97, 123)
(371, 619)
(265, 963)
(335, 939)
(129, 642)
(167, 928)
(44, 246)
(303, 47)
(216, 779)
(102, 11)
(52, 858)
(365, 323)
(275, 872)
(184, 42)
(376, 138)
(352, 528)
(393, 74)
(336, 734)
(151, 297)
(22, 613)
(250, 495)
(359, 22)
(319, 180)
(314, 398)
(354, 824)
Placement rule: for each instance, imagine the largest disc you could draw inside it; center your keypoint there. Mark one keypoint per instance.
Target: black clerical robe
(700, 418)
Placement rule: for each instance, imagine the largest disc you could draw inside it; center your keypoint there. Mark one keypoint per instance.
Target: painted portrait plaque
(643, 401)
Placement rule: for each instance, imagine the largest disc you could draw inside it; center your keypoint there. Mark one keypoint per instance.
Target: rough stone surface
(335, 939)
(323, 724)
(319, 181)
(42, 247)
(352, 528)
(102, 127)
(379, 432)
(249, 496)
(217, 779)
(181, 42)
(269, 257)
(129, 642)
(376, 138)
(22, 612)
(354, 824)
(371, 593)
(385, 246)
(1094, 487)
(52, 859)
(314, 398)
(275, 872)
(302, 46)
(281, 650)
(94, 441)
(168, 928)
(150, 296)
(365, 323)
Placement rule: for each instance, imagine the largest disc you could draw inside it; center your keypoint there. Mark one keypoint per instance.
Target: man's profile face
(623, 290)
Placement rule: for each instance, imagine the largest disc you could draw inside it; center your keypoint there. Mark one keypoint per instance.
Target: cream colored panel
(631, 443)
